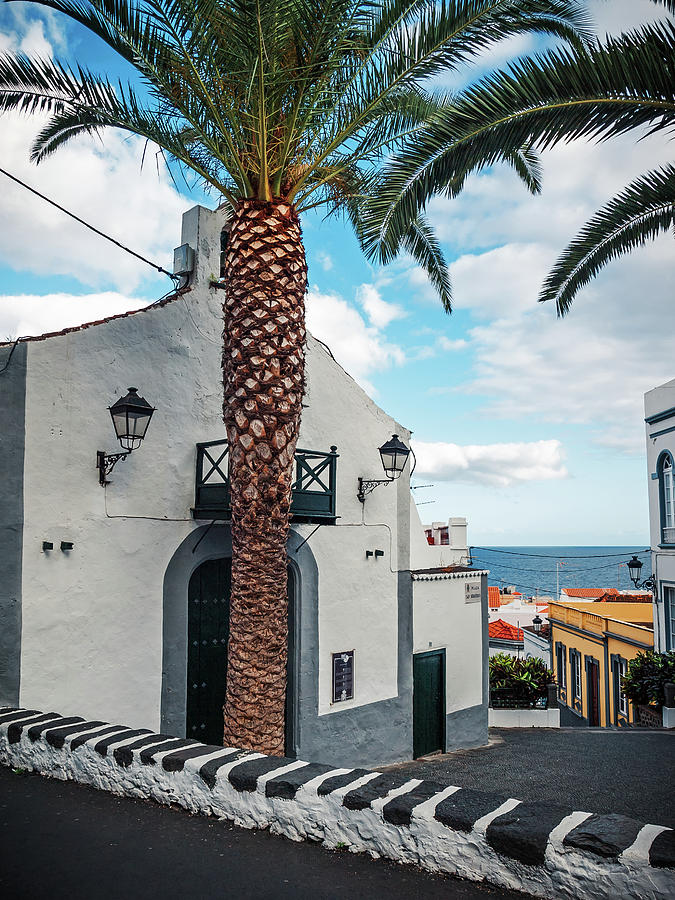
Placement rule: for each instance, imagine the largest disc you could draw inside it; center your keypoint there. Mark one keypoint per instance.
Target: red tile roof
(585, 593)
(493, 597)
(504, 631)
(606, 595)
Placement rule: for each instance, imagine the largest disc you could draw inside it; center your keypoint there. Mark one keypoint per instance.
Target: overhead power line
(87, 225)
(554, 556)
(575, 571)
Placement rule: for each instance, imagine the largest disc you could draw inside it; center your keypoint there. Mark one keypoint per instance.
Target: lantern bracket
(368, 485)
(105, 463)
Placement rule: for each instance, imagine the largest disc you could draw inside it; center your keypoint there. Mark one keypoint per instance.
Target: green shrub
(528, 677)
(646, 676)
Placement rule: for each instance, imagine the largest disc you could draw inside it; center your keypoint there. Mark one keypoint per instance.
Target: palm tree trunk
(263, 372)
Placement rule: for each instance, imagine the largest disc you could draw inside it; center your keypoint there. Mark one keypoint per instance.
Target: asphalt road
(595, 770)
(65, 840)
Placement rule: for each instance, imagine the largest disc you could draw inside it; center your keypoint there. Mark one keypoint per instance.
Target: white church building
(114, 597)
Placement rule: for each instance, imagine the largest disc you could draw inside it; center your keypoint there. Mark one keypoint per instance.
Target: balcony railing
(313, 491)
(668, 536)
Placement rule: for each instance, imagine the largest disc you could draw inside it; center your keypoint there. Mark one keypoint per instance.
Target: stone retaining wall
(524, 718)
(546, 851)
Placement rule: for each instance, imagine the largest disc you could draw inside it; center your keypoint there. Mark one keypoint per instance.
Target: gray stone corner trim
(13, 362)
(544, 850)
(466, 728)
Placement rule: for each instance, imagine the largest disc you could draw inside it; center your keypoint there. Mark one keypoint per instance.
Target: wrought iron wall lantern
(634, 569)
(131, 416)
(537, 622)
(394, 455)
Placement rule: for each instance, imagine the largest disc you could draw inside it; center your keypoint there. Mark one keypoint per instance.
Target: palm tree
(597, 91)
(280, 106)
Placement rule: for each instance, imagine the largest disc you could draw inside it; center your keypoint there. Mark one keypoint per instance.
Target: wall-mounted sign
(343, 676)
(472, 592)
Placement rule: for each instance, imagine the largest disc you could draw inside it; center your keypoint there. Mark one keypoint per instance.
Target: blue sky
(529, 426)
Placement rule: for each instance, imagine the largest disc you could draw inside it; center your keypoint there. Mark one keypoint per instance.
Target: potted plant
(518, 683)
(644, 684)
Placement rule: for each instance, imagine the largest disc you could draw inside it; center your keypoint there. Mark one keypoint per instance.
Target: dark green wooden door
(428, 702)
(208, 633)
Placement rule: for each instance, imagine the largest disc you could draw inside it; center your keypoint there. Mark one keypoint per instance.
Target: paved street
(597, 770)
(65, 840)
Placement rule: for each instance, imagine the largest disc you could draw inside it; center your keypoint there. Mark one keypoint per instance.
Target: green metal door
(428, 702)
(208, 633)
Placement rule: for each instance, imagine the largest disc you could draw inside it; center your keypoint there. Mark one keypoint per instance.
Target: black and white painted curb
(543, 850)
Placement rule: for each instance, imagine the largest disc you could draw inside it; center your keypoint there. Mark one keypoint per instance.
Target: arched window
(667, 498)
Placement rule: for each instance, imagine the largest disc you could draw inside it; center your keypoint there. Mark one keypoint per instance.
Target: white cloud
(379, 311)
(360, 348)
(446, 343)
(100, 181)
(325, 260)
(592, 367)
(499, 465)
(26, 315)
(622, 15)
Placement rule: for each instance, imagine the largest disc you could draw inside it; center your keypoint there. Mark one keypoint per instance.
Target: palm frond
(642, 211)
(597, 93)
(421, 243)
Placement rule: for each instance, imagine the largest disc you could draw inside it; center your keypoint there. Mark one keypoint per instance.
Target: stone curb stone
(523, 832)
(339, 781)
(56, 737)
(607, 835)
(286, 786)
(244, 776)
(462, 809)
(398, 811)
(362, 797)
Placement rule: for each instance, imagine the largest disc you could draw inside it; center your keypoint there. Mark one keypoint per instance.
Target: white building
(660, 430)
(105, 590)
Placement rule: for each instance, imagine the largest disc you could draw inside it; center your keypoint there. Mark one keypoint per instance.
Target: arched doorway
(208, 632)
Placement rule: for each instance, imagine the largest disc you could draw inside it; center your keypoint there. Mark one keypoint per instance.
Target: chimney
(458, 533)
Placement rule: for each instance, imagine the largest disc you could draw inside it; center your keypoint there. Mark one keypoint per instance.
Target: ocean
(532, 570)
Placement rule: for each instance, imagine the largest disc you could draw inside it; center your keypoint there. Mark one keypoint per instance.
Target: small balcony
(313, 491)
(668, 536)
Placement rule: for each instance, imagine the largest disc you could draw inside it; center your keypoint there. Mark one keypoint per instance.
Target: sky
(528, 425)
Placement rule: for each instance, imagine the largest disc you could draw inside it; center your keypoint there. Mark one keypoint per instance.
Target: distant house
(494, 598)
(603, 595)
(114, 597)
(660, 434)
(505, 638)
(592, 643)
(537, 644)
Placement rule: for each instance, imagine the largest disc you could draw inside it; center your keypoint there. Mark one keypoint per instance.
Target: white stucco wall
(536, 647)
(92, 618)
(443, 619)
(660, 436)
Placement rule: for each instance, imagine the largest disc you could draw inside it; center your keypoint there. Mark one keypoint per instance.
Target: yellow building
(591, 645)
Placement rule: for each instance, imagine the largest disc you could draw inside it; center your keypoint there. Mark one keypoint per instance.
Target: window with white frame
(621, 668)
(668, 489)
(669, 604)
(575, 672)
(560, 666)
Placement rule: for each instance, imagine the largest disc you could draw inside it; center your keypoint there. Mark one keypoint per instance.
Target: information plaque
(472, 592)
(343, 676)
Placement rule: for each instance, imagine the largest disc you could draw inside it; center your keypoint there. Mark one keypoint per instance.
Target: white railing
(668, 536)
